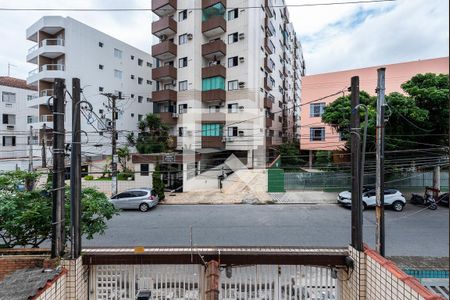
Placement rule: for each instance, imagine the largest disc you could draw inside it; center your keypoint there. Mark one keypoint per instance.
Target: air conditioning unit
(175, 115)
(242, 59)
(163, 37)
(190, 36)
(241, 36)
(241, 133)
(241, 108)
(10, 127)
(242, 84)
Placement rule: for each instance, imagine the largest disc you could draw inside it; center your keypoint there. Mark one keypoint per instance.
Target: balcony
(269, 141)
(269, 122)
(268, 103)
(213, 49)
(165, 26)
(50, 48)
(164, 73)
(268, 45)
(164, 50)
(164, 7)
(209, 3)
(168, 118)
(42, 99)
(268, 85)
(214, 26)
(39, 122)
(269, 8)
(269, 65)
(164, 96)
(46, 72)
(214, 71)
(214, 95)
(213, 142)
(270, 29)
(285, 71)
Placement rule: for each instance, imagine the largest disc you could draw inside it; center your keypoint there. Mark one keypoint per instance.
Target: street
(414, 232)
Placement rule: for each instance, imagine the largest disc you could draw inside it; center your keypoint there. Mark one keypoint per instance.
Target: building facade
(16, 121)
(228, 77)
(65, 48)
(315, 135)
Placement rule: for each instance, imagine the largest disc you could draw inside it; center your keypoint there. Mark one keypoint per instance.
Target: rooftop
(16, 83)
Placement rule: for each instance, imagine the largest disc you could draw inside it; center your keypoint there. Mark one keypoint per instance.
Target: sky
(334, 38)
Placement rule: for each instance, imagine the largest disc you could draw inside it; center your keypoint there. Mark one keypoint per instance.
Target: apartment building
(315, 135)
(65, 48)
(16, 120)
(228, 77)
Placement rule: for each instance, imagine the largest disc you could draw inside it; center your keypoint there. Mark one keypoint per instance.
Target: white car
(392, 198)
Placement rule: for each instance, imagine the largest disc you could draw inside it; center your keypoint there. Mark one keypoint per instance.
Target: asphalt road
(414, 232)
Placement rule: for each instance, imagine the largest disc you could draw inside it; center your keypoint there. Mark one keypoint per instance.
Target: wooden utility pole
(44, 145)
(75, 171)
(58, 184)
(30, 150)
(357, 230)
(379, 210)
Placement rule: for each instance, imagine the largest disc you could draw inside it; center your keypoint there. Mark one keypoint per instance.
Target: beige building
(227, 76)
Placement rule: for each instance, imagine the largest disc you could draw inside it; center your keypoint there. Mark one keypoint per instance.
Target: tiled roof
(16, 83)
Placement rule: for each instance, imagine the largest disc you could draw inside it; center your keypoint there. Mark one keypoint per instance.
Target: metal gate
(177, 282)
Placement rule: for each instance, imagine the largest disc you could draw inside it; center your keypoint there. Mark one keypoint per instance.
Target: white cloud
(403, 31)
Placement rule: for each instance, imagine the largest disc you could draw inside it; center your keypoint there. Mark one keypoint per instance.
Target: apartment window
(101, 67)
(145, 169)
(9, 119)
(183, 62)
(132, 57)
(233, 14)
(132, 96)
(183, 39)
(140, 99)
(183, 86)
(9, 141)
(140, 117)
(233, 85)
(149, 64)
(149, 100)
(213, 83)
(100, 44)
(232, 131)
(117, 53)
(30, 97)
(182, 108)
(316, 110)
(132, 77)
(132, 115)
(233, 61)
(8, 97)
(140, 62)
(213, 109)
(149, 82)
(317, 134)
(117, 74)
(182, 15)
(212, 129)
(182, 131)
(101, 89)
(233, 38)
(280, 133)
(233, 108)
(140, 80)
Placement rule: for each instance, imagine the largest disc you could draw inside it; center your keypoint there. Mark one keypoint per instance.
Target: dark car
(443, 199)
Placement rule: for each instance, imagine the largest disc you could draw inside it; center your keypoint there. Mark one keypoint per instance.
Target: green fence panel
(276, 181)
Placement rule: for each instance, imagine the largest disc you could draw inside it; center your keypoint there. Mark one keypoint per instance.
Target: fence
(334, 180)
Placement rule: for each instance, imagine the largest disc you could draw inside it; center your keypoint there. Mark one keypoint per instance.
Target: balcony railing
(164, 26)
(213, 142)
(46, 118)
(168, 118)
(215, 25)
(52, 42)
(215, 48)
(270, 48)
(269, 65)
(52, 67)
(209, 3)
(165, 95)
(164, 73)
(268, 103)
(33, 72)
(164, 50)
(214, 71)
(34, 48)
(164, 7)
(46, 93)
(214, 95)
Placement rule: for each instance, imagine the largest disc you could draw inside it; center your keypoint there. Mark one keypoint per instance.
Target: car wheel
(144, 207)
(398, 206)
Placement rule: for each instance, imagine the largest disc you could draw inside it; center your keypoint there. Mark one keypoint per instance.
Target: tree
(422, 110)
(124, 155)
(153, 136)
(26, 216)
(290, 156)
(158, 184)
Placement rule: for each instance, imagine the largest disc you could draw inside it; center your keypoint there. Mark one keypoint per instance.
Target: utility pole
(357, 230)
(58, 211)
(30, 150)
(44, 145)
(381, 90)
(114, 113)
(75, 172)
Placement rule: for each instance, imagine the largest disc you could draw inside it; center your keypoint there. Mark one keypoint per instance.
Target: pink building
(315, 135)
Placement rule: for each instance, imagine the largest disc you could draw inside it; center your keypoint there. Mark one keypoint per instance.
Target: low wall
(54, 289)
(122, 185)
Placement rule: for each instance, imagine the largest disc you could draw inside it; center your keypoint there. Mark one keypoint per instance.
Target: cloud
(369, 35)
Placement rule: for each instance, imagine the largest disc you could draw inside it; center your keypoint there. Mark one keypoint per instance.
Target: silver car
(142, 199)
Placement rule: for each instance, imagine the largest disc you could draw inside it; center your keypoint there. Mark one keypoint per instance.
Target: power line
(124, 9)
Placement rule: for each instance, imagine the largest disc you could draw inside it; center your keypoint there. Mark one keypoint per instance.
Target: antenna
(9, 69)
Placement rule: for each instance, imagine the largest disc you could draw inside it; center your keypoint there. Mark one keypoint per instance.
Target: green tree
(124, 155)
(421, 110)
(153, 136)
(290, 156)
(26, 216)
(158, 184)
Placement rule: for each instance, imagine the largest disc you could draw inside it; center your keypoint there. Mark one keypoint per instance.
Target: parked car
(392, 197)
(142, 199)
(443, 199)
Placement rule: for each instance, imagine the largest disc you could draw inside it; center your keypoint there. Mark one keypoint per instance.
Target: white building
(228, 78)
(65, 48)
(15, 123)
